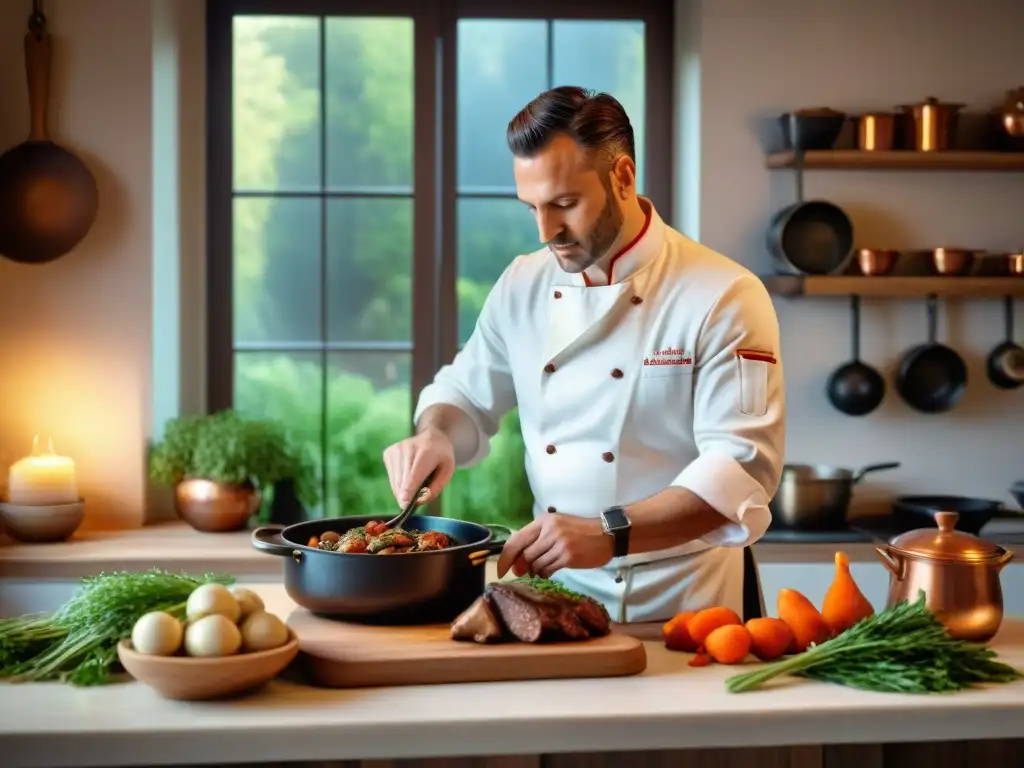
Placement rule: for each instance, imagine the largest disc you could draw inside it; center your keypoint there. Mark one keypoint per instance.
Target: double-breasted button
(558, 294)
(550, 367)
(616, 373)
(550, 449)
(636, 300)
(608, 456)
(552, 510)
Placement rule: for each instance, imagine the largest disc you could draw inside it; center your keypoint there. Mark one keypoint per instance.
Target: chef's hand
(409, 462)
(556, 541)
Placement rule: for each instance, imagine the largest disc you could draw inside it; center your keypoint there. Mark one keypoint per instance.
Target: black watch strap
(616, 523)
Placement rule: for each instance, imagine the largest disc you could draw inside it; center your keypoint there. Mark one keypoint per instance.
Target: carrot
(844, 604)
(313, 541)
(729, 644)
(675, 634)
(708, 620)
(700, 660)
(769, 637)
(803, 619)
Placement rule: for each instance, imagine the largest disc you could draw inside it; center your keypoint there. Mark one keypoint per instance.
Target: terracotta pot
(214, 507)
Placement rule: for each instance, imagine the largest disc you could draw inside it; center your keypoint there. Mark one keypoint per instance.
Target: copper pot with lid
(958, 573)
(932, 124)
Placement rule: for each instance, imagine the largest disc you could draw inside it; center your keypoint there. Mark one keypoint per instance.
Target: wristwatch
(616, 523)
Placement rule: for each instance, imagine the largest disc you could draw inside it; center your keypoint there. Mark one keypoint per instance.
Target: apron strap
(753, 607)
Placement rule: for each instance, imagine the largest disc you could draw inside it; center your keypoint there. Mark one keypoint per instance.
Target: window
(361, 205)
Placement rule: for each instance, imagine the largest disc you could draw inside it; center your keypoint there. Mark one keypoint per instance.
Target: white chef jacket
(668, 375)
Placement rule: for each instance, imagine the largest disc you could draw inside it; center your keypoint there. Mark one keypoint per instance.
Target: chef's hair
(595, 121)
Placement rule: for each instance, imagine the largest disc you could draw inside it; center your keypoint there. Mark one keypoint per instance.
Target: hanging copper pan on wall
(48, 197)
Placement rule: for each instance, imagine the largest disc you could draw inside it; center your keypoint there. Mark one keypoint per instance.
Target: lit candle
(42, 478)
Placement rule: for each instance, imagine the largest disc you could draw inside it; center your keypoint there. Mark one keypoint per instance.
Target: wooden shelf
(896, 287)
(853, 159)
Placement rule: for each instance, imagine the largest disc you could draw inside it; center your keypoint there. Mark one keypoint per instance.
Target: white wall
(77, 335)
(761, 59)
(95, 351)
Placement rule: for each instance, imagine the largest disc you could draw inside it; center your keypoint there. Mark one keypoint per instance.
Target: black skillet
(932, 377)
(855, 388)
(1006, 361)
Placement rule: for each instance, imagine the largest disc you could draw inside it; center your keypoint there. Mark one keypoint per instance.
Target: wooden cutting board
(345, 655)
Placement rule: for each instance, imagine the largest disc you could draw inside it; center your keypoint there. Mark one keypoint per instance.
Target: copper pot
(1011, 116)
(214, 507)
(958, 573)
(876, 132)
(932, 124)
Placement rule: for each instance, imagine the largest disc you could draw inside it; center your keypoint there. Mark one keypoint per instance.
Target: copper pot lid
(946, 543)
(933, 102)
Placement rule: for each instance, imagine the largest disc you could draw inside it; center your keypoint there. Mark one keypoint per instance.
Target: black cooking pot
(413, 588)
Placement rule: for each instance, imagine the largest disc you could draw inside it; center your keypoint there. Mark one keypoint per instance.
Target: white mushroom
(212, 635)
(157, 634)
(249, 601)
(263, 631)
(212, 598)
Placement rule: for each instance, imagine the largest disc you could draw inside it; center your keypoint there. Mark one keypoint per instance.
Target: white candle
(42, 478)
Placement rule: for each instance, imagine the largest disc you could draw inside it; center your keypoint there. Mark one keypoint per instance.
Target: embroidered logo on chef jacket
(753, 368)
(668, 362)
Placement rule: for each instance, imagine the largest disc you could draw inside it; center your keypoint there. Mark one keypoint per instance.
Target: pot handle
(875, 468)
(500, 534)
(893, 565)
(1004, 558)
(268, 539)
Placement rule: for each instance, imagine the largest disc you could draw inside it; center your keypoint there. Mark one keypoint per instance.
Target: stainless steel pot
(816, 496)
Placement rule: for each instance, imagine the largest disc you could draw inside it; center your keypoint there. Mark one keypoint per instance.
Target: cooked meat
(478, 623)
(376, 539)
(534, 610)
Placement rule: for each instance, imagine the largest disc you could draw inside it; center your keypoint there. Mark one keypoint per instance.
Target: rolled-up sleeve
(739, 413)
(479, 380)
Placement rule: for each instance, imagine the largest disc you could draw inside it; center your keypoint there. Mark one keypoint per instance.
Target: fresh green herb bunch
(904, 649)
(78, 643)
(228, 448)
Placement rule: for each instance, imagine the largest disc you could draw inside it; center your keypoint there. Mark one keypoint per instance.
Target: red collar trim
(632, 243)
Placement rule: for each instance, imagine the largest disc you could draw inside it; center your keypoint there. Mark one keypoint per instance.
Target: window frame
(434, 332)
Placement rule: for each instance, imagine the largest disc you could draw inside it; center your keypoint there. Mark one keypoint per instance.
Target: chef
(647, 372)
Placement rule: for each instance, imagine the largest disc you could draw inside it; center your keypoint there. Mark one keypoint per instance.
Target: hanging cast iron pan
(1006, 362)
(932, 377)
(48, 197)
(855, 388)
(811, 238)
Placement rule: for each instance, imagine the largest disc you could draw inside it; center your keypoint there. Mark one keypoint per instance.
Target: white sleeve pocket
(754, 367)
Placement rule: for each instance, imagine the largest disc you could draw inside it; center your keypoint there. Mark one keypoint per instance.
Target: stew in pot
(375, 538)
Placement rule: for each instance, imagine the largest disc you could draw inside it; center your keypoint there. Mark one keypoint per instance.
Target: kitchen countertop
(176, 546)
(670, 705)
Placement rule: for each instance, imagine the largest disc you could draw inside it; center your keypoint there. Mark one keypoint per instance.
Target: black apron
(751, 587)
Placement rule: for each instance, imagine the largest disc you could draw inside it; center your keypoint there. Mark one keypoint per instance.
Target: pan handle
(875, 468)
(500, 534)
(268, 539)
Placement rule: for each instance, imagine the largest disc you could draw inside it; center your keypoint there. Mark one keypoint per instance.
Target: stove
(883, 528)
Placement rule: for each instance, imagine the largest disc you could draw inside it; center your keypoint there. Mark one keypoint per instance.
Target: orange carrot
(729, 644)
(675, 634)
(769, 637)
(844, 604)
(803, 619)
(708, 620)
(313, 541)
(700, 660)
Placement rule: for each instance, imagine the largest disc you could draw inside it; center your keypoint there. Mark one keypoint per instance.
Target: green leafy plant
(226, 447)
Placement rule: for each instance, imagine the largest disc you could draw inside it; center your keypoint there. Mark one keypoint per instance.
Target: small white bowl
(39, 523)
(189, 678)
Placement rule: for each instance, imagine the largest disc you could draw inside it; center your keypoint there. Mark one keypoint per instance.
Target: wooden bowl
(189, 678)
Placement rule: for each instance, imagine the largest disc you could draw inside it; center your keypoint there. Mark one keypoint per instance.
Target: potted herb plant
(223, 466)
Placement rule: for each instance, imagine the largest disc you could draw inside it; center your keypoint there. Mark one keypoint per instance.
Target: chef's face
(572, 199)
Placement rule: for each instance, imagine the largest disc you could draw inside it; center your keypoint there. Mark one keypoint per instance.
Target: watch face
(616, 518)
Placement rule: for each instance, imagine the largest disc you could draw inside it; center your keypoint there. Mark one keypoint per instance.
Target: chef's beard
(597, 243)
